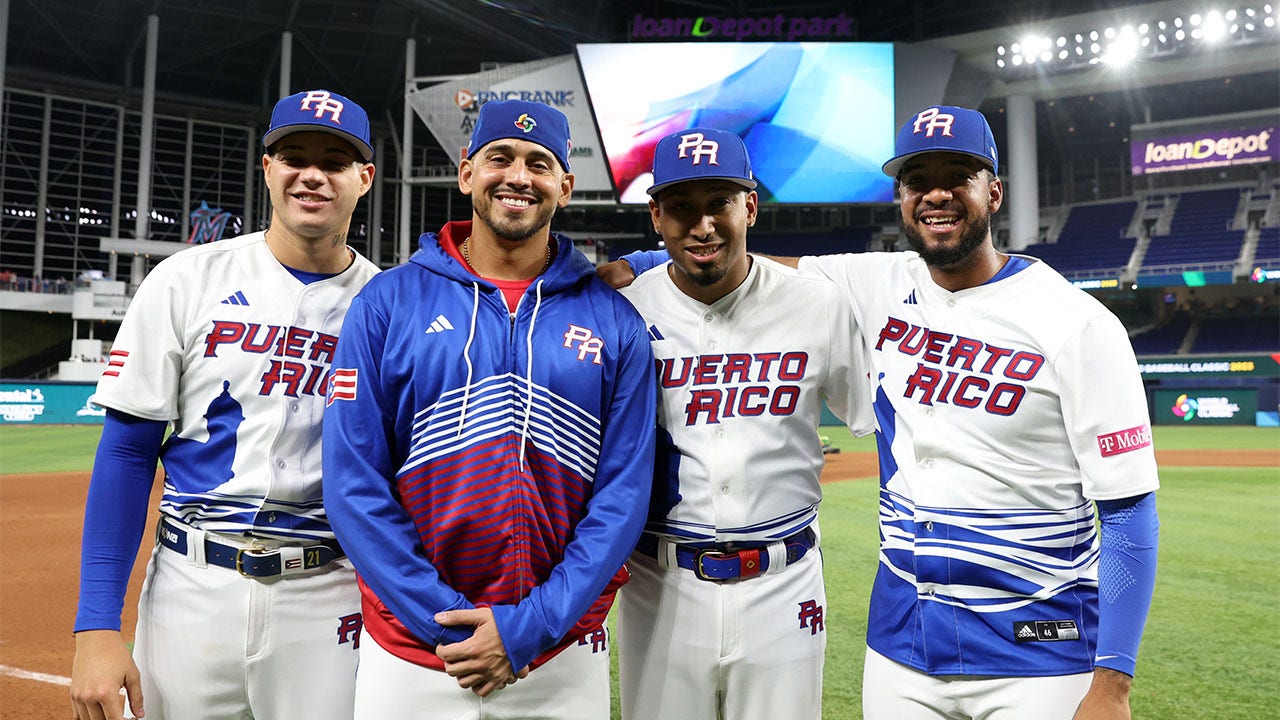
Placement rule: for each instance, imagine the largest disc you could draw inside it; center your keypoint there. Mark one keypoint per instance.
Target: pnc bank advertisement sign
(1206, 406)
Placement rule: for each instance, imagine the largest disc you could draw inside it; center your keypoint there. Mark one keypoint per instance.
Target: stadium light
(1051, 50)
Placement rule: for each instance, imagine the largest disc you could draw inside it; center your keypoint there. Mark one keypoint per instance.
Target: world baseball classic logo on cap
(944, 128)
(321, 111)
(700, 154)
(523, 120)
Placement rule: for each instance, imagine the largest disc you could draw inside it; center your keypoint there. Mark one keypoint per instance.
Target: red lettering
(728, 401)
(263, 345)
(766, 362)
(322, 349)
(785, 400)
(945, 392)
(750, 394)
(996, 354)
(1005, 399)
(925, 381)
(737, 368)
(970, 382)
(1033, 363)
(933, 347)
(966, 350)
(222, 332)
(700, 402)
(892, 331)
(917, 335)
(793, 366)
(319, 377)
(290, 373)
(705, 373)
(665, 376)
(295, 338)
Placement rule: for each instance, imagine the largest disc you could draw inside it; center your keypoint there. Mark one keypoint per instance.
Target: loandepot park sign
(776, 27)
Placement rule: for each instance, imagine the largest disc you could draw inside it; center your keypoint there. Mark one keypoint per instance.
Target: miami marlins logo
(932, 120)
(526, 123)
(324, 104)
(700, 147)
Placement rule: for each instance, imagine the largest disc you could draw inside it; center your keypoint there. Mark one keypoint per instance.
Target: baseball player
(249, 608)
(489, 449)
(1011, 418)
(724, 614)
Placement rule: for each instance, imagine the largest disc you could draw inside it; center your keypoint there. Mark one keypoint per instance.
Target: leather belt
(255, 562)
(729, 561)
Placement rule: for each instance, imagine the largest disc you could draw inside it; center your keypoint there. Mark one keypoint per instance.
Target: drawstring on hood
(528, 373)
(466, 355)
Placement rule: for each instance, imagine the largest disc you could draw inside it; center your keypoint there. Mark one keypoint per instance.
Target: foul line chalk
(39, 677)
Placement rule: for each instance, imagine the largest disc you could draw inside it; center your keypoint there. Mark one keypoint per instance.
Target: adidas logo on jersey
(237, 299)
(440, 324)
(654, 333)
(1027, 632)
(911, 299)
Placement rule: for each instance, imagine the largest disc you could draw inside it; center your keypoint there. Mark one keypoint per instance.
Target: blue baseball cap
(700, 154)
(522, 120)
(321, 111)
(944, 128)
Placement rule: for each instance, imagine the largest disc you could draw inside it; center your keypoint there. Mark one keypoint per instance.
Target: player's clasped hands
(480, 662)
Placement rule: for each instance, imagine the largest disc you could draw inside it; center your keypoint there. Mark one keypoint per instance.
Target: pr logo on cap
(701, 148)
(936, 120)
(325, 102)
(526, 123)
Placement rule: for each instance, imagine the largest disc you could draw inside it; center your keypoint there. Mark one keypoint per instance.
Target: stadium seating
(1268, 244)
(1163, 339)
(1200, 233)
(1090, 239)
(1238, 333)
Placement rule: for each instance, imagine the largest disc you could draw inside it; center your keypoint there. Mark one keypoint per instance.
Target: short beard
(708, 277)
(949, 257)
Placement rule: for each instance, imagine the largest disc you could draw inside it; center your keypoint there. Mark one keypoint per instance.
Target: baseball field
(1210, 650)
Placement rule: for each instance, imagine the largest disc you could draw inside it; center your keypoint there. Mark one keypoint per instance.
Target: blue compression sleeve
(115, 516)
(1126, 578)
(642, 261)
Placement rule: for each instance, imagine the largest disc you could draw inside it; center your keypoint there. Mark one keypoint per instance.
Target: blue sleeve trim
(1126, 578)
(115, 515)
(642, 261)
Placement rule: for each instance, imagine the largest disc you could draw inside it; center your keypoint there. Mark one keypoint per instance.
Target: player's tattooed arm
(1108, 697)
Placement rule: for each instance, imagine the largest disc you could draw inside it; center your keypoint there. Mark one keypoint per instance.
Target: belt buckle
(697, 563)
(254, 549)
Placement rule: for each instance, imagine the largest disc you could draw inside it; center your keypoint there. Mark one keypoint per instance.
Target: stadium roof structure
(224, 55)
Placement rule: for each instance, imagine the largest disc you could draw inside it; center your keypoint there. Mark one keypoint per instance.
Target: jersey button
(709, 317)
(951, 302)
(271, 518)
(928, 526)
(294, 407)
(280, 464)
(711, 344)
(724, 489)
(720, 432)
(930, 412)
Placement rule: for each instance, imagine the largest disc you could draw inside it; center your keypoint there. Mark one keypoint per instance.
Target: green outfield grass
(1209, 649)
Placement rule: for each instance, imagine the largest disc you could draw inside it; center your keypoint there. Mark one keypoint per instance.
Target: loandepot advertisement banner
(1206, 406)
(449, 110)
(1203, 143)
(48, 403)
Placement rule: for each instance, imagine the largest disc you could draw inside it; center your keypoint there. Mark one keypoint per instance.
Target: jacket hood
(568, 268)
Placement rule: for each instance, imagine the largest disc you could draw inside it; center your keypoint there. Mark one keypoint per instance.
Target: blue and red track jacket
(477, 458)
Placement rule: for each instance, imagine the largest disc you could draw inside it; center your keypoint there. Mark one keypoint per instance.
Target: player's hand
(1108, 697)
(617, 273)
(480, 662)
(102, 667)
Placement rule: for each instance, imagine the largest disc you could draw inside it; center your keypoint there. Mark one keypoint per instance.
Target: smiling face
(947, 202)
(704, 224)
(315, 180)
(515, 188)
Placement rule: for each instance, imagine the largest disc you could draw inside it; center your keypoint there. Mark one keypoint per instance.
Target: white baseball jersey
(1003, 410)
(225, 342)
(740, 389)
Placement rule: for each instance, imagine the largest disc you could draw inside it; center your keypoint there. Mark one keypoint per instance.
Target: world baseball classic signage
(1205, 406)
(1209, 149)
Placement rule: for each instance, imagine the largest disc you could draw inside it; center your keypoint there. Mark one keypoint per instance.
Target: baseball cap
(700, 154)
(947, 129)
(522, 120)
(321, 111)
